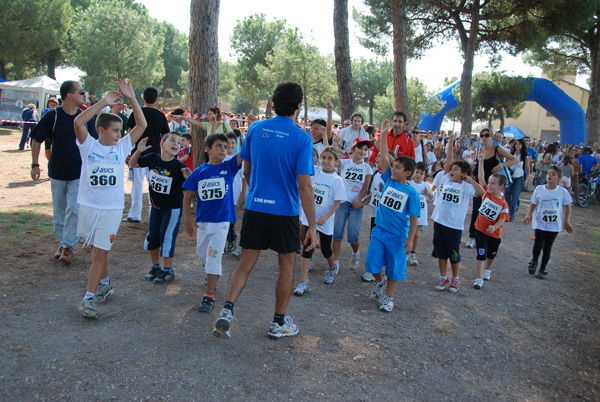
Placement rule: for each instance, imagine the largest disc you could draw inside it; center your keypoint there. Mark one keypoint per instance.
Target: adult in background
(352, 132)
(29, 114)
(116, 109)
(157, 126)
(278, 164)
(64, 165)
(420, 152)
(520, 174)
(587, 163)
(398, 142)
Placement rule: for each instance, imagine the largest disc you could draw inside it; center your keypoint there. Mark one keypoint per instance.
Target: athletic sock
(211, 295)
(443, 277)
(105, 281)
(88, 296)
(155, 265)
(170, 270)
(279, 319)
(229, 306)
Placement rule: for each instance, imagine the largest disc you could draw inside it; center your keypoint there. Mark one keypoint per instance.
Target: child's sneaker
(532, 267)
(301, 289)
(386, 304)
(471, 242)
(443, 284)
(542, 274)
(277, 331)
(478, 284)
(377, 290)
(88, 308)
(67, 254)
(103, 292)
(367, 277)
(237, 253)
(153, 273)
(58, 253)
(412, 259)
(355, 260)
(330, 276)
(223, 324)
(230, 246)
(454, 284)
(207, 304)
(487, 274)
(165, 275)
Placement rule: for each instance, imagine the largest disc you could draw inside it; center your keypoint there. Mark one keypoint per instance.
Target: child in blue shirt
(395, 226)
(215, 209)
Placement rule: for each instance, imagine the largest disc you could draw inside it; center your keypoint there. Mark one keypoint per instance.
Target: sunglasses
(415, 132)
(486, 135)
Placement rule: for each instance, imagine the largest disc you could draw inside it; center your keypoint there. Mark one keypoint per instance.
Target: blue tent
(515, 132)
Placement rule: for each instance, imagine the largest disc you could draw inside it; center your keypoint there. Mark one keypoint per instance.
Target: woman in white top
(420, 154)
(213, 124)
(519, 173)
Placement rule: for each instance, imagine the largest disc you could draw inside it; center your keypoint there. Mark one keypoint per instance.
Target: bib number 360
(102, 175)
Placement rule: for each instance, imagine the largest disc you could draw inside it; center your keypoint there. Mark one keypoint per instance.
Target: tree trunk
(51, 65)
(204, 65)
(343, 67)
(469, 49)
(269, 106)
(592, 114)
(371, 107)
(399, 25)
(3, 69)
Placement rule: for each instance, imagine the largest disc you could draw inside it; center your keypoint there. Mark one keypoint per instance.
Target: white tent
(318, 113)
(15, 95)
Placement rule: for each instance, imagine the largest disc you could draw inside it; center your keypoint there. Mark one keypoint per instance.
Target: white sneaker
(386, 304)
(487, 273)
(478, 284)
(367, 277)
(355, 260)
(412, 259)
(301, 289)
(471, 242)
(377, 290)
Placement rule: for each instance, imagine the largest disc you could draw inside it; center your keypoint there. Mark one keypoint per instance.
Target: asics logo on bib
(100, 170)
(319, 191)
(210, 184)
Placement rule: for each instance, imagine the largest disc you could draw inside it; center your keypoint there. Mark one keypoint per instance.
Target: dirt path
(519, 338)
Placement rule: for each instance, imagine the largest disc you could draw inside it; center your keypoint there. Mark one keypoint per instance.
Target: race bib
(423, 199)
(452, 195)
(321, 194)
(375, 198)
(394, 199)
(490, 210)
(549, 215)
(354, 176)
(160, 184)
(102, 175)
(211, 189)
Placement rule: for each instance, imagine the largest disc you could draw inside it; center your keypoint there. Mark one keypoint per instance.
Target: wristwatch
(35, 165)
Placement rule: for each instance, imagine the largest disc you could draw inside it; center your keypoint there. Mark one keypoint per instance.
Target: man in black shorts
(278, 164)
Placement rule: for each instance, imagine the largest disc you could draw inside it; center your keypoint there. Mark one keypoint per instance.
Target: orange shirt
(492, 209)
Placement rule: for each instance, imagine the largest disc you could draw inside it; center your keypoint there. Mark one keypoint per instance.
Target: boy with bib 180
(101, 193)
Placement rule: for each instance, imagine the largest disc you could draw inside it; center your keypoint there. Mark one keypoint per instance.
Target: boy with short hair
(425, 194)
(237, 188)
(215, 210)
(101, 193)
(488, 226)
(395, 227)
(166, 175)
(455, 190)
(186, 152)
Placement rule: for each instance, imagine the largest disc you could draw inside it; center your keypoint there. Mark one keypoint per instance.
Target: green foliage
(419, 97)
(111, 41)
(175, 56)
(370, 78)
(240, 105)
(227, 81)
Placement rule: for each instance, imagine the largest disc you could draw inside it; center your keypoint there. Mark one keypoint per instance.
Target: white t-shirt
(348, 135)
(548, 212)
(328, 188)
(423, 199)
(354, 176)
(438, 184)
(467, 154)
(452, 203)
(517, 170)
(376, 191)
(419, 154)
(102, 179)
(237, 180)
(431, 159)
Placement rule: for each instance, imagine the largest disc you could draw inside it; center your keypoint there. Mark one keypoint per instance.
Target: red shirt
(401, 145)
(491, 211)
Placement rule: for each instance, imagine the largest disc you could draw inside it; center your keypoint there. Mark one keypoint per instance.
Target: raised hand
(329, 105)
(386, 127)
(126, 89)
(113, 98)
(251, 117)
(142, 145)
(186, 171)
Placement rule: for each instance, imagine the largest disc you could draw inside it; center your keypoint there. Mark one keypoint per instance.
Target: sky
(314, 19)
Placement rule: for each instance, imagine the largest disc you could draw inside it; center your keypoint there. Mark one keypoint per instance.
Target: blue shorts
(346, 212)
(162, 230)
(386, 249)
(446, 243)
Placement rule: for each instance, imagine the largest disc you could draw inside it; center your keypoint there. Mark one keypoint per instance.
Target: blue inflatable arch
(549, 96)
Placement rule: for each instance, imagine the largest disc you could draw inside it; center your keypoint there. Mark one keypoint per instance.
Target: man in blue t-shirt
(278, 164)
(587, 163)
(64, 165)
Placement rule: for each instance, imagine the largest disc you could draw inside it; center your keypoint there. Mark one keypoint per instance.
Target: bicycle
(588, 190)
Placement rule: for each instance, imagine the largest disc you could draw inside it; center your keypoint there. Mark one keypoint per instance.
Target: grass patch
(8, 131)
(25, 223)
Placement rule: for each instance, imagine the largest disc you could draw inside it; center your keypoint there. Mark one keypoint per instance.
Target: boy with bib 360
(395, 226)
(101, 193)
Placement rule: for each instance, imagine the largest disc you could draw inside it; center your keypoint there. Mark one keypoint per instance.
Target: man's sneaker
(471, 242)
(355, 260)
(487, 274)
(131, 220)
(329, 276)
(542, 274)
(153, 273)
(277, 331)
(103, 292)
(223, 324)
(88, 308)
(207, 304)
(230, 246)
(58, 253)
(532, 267)
(164, 276)
(454, 284)
(301, 289)
(367, 277)
(386, 304)
(412, 259)
(67, 254)
(443, 284)
(237, 253)
(377, 290)
(478, 284)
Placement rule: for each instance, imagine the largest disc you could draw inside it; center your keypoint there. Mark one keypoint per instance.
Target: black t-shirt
(165, 181)
(65, 162)
(157, 126)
